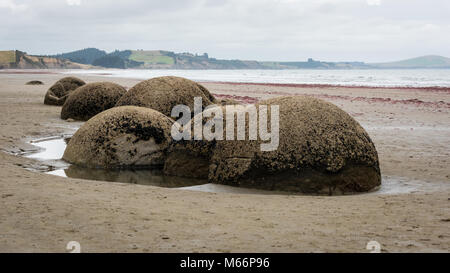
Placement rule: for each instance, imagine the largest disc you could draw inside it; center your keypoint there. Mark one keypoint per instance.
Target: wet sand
(410, 128)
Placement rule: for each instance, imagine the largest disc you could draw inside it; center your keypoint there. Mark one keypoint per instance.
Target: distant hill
(314, 64)
(161, 59)
(83, 56)
(154, 59)
(116, 60)
(15, 59)
(430, 61)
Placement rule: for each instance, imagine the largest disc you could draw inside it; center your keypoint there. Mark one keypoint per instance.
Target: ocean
(369, 77)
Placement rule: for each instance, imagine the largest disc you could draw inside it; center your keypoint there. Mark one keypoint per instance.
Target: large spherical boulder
(121, 137)
(163, 93)
(322, 149)
(58, 92)
(91, 99)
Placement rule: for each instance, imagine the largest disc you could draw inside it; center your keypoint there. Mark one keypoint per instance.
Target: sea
(361, 77)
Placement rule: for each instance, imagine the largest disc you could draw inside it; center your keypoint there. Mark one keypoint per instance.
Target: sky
(264, 30)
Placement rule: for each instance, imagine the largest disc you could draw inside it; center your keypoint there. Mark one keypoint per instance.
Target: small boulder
(34, 83)
(91, 99)
(58, 92)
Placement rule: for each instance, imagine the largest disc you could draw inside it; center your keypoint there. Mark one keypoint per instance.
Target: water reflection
(50, 148)
(139, 176)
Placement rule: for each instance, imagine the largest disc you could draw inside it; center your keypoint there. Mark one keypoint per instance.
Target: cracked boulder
(91, 99)
(163, 93)
(121, 137)
(191, 158)
(321, 150)
(58, 92)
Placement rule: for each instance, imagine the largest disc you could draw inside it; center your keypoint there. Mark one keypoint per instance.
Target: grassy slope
(7, 56)
(150, 57)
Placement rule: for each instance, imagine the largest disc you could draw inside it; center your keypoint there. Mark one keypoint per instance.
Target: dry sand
(410, 128)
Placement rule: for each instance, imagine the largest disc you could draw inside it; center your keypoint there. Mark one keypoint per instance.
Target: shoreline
(430, 88)
(307, 85)
(251, 100)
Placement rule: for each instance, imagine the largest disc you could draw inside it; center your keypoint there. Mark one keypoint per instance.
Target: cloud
(373, 2)
(287, 30)
(73, 2)
(11, 5)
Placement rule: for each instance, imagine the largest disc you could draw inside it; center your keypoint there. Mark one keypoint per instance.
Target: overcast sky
(282, 30)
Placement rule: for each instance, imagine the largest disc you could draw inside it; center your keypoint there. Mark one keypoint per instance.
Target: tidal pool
(52, 150)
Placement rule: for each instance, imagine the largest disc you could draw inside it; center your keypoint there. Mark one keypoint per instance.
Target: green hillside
(162, 59)
(83, 56)
(151, 57)
(7, 57)
(430, 61)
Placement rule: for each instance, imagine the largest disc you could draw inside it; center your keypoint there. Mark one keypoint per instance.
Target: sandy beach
(409, 126)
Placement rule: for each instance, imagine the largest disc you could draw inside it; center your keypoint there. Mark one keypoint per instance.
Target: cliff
(15, 59)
